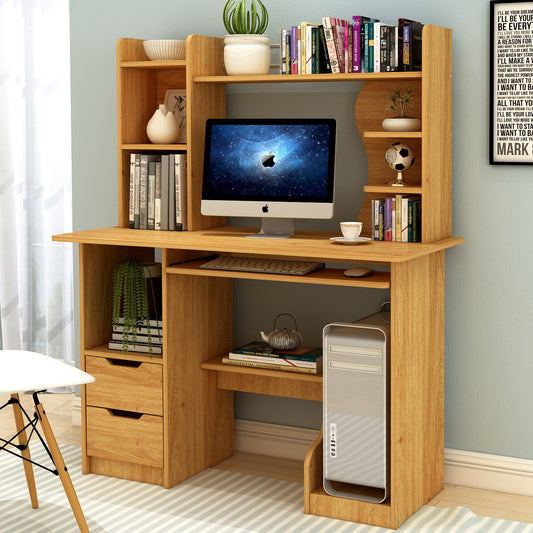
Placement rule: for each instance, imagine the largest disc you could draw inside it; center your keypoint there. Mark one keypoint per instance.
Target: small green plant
(130, 301)
(238, 20)
(399, 99)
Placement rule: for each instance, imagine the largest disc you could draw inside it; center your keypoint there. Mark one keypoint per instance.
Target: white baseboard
(76, 411)
(468, 469)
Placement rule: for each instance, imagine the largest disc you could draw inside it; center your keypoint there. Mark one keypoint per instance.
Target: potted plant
(246, 49)
(399, 100)
(135, 296)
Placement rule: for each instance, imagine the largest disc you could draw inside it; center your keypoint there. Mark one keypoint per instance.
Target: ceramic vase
(402, 124)
(246, 54)
(163, 127)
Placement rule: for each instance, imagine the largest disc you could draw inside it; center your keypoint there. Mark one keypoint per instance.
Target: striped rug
(213, 501)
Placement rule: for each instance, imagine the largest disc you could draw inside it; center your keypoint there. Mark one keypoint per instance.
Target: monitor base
(275, 228)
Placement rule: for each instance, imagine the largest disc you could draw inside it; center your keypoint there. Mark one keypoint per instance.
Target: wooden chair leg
(62, 469)
(23, 441)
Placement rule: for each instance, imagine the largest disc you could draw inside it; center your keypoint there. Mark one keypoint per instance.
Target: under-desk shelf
(265, 381)
(104, 351)
(326, 276)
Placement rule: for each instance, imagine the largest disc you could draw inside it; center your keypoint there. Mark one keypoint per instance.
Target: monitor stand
(275, 228)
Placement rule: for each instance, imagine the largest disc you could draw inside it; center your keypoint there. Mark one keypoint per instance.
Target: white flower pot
(246, 54)
(402, 124)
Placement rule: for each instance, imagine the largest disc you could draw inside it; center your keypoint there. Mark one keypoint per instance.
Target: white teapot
(283, 339)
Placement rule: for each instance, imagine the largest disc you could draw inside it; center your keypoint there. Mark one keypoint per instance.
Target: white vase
(246, 54)
(163, 127)
(402, 124)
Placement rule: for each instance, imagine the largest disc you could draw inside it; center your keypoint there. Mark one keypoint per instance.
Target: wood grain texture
(199, 417)
(121, 386)
(313, 470)
(125, 470)
(121, 437)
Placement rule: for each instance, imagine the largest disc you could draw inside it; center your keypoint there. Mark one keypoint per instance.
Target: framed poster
(511, 79)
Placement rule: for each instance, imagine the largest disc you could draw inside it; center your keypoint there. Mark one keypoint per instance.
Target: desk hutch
(162, 419)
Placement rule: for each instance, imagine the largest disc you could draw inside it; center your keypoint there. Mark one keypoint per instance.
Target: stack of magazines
(261, 355)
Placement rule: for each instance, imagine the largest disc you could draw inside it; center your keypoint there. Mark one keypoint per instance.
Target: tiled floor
(496, 504)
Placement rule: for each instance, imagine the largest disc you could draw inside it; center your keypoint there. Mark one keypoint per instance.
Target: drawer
(125, 385)
(125, 436)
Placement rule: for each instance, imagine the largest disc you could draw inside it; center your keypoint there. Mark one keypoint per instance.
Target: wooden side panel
(204, 100)
(198, 416)
(123, 470)
(437, 130)
(417, 383)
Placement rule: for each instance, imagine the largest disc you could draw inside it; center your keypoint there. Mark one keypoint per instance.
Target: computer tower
(356, 408)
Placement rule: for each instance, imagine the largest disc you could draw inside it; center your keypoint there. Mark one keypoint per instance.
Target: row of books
(143, 344)
(397, 218)
(363, 44)
(158, 194)
(259, 354)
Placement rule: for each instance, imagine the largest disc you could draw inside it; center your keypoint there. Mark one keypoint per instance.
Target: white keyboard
(257, 264)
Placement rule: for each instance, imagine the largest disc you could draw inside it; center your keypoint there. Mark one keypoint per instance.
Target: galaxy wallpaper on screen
(285, 161)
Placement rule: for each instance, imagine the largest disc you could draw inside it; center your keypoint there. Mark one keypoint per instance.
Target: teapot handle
(285, 314)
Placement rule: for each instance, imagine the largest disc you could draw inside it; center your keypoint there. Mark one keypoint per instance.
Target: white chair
(23, 371)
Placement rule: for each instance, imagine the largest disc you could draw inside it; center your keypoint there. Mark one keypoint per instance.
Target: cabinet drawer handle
(124, 362)
(125, 414)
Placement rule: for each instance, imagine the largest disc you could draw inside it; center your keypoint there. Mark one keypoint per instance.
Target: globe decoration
(400, 156)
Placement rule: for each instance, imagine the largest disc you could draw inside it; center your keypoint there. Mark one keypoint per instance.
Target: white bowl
(165, 49)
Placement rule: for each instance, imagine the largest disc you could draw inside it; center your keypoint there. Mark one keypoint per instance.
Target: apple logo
(268, 160)
(265, 208)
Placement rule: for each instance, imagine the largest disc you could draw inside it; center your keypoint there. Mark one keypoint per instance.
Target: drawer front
(125, 436)
(125, 385)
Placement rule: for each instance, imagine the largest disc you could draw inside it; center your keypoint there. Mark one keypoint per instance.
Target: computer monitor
(276, 169)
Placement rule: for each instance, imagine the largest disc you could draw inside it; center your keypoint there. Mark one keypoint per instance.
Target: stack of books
(158, 195)
(143, 344)
(397, 218)
(362, 44)
(261, 355)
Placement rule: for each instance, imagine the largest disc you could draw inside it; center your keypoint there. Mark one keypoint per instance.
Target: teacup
(351, 230)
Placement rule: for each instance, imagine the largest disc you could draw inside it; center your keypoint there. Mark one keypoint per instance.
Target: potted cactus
(246, 48)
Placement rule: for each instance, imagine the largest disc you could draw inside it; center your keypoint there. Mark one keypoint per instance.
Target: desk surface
(22, 371)
(304, 244)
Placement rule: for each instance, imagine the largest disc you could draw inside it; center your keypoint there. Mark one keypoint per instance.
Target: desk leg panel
(199, 416)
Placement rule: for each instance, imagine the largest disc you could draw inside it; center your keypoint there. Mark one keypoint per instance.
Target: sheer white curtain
(36, 285)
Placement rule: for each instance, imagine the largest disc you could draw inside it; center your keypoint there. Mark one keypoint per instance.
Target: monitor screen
(280, 168)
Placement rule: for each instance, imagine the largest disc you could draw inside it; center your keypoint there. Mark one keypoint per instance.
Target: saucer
(344, 240)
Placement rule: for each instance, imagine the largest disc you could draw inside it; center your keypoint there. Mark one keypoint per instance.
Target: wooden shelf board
(327, 276)
(265, 381)
(392, 134)
(149, 147)
(181, 63)
(304, 244)
(298, 78)
(384, 189)
(104, 351)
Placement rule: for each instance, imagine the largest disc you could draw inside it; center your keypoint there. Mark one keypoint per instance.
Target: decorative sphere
(400, 156)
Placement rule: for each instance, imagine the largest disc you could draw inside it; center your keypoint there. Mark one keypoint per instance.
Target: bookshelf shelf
(154, 65)
(155, 147)
(384, 189)
(299, 78)
(392, 134)
(103, 351)
(265, 381)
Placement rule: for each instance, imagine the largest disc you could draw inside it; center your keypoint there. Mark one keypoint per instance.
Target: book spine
(136, 194)
(356, 44)
(157, 202)
(393, 218)
(338, 39)
(406, 60)
(405, 219)
(237, 354)
(388, 219)
(323, 66)
(410, 225)
(308, 49)
(155, 332)
(267, 366)
(330, 43)
(294, 50)
(369, 46)
(283, 51)
(131, 211)
(139, 348)
(274, 361)
(181, 192)
(171, 192)
(314, 49)
(377, 46)
(398, 218)
(151, 195)
(143, 193)
(178, 193)
(300, 71)
(156, 340)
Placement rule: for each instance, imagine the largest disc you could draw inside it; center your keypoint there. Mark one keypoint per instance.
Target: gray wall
(489, 289)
